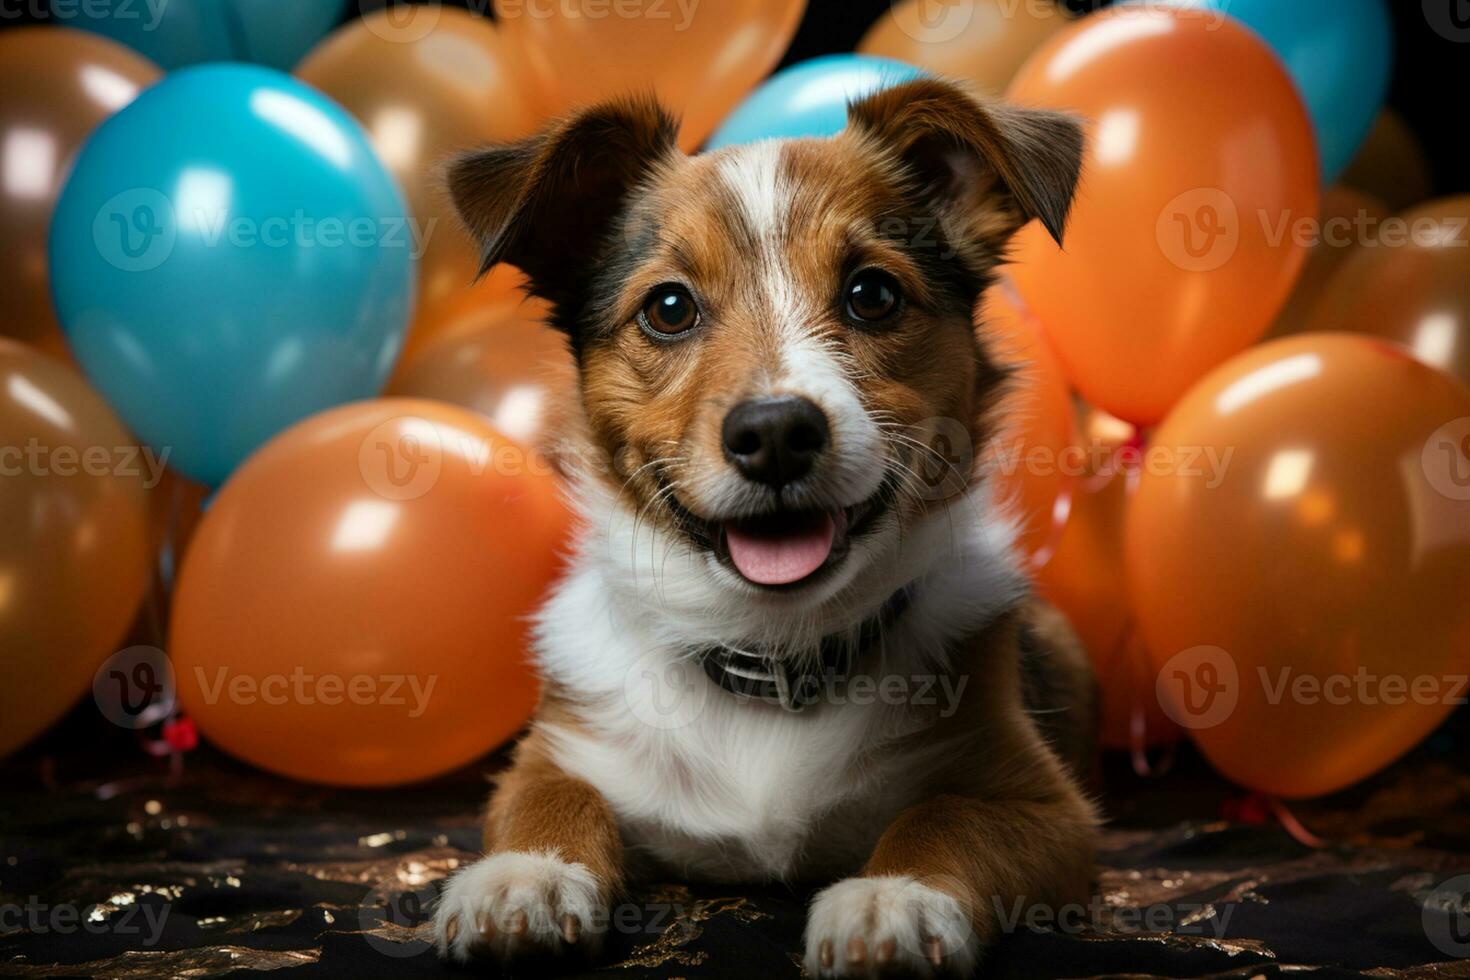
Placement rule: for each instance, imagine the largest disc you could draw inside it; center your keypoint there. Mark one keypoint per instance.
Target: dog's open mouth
(788, 549)
(784, 548)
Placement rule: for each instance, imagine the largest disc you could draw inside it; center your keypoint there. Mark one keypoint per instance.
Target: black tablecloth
(110, 867)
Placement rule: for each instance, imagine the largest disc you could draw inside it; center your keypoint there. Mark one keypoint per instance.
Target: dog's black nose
(775, 440)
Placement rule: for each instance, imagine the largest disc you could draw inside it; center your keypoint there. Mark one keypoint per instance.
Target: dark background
(1430, 75)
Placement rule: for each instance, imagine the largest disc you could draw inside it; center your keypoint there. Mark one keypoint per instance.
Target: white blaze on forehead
(809, 365)
(763, 192)
(754, 175)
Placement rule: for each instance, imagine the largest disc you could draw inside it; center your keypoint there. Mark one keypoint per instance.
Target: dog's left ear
(548, 204)
(993, 167)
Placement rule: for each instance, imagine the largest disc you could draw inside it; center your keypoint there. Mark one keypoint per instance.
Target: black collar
(757, 675)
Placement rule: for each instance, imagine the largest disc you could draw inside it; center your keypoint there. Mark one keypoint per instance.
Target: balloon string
(1013, 296)
(1061, 511)
(168, 556)
(1061, 516)
(1125, 651)
(178, 733)
(1292, 825)
(1138, 717)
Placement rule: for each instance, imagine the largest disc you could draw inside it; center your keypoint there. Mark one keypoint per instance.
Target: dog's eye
(872, 295)
(670, 310)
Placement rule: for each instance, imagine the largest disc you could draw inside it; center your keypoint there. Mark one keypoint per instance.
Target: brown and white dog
(768, 339)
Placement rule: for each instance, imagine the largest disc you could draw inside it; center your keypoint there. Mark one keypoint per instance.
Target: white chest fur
(719, 788)
(708, 785)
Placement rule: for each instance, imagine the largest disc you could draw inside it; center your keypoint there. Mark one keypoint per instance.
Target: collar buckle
(757, 676)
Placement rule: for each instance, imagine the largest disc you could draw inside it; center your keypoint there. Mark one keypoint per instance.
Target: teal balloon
(175, 33)
(229, 256)
(810, 98)
(1338, 52)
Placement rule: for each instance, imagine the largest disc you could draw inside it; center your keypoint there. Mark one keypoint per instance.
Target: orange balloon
(56, 86)
(1038, 423)
(984, 42)
(700, 59)
(426, 84)
(1413, 287)
(468, 306)
(74, 558)
(1391, 164)
(353, 607)
(1084, 579)
(509, 371)
(1306, 610)
(1199, 155)
(1350, 219)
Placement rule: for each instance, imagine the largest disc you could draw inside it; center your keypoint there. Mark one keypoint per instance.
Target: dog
(771, 340)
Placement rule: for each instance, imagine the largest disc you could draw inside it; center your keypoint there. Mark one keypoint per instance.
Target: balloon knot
(1253, 810)
(180, 734)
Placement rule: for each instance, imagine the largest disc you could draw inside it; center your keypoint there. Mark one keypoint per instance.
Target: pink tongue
(781, 559)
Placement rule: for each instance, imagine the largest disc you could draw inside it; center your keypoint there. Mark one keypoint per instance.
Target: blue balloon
(227, 257)
(175, 33)
(1338, 52)
(810, 98)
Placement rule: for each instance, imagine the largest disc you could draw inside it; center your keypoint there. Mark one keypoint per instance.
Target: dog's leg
(553, 865)
(1007, 832)
(943, 879)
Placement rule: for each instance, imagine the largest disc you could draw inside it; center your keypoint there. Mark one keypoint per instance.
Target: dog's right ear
(547, 203)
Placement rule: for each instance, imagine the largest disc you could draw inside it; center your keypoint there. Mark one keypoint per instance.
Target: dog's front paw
(871, 926)
(512, 904)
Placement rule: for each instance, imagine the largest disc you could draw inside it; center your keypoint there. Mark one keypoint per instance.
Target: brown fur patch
(537, 807)
(1009, 821)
